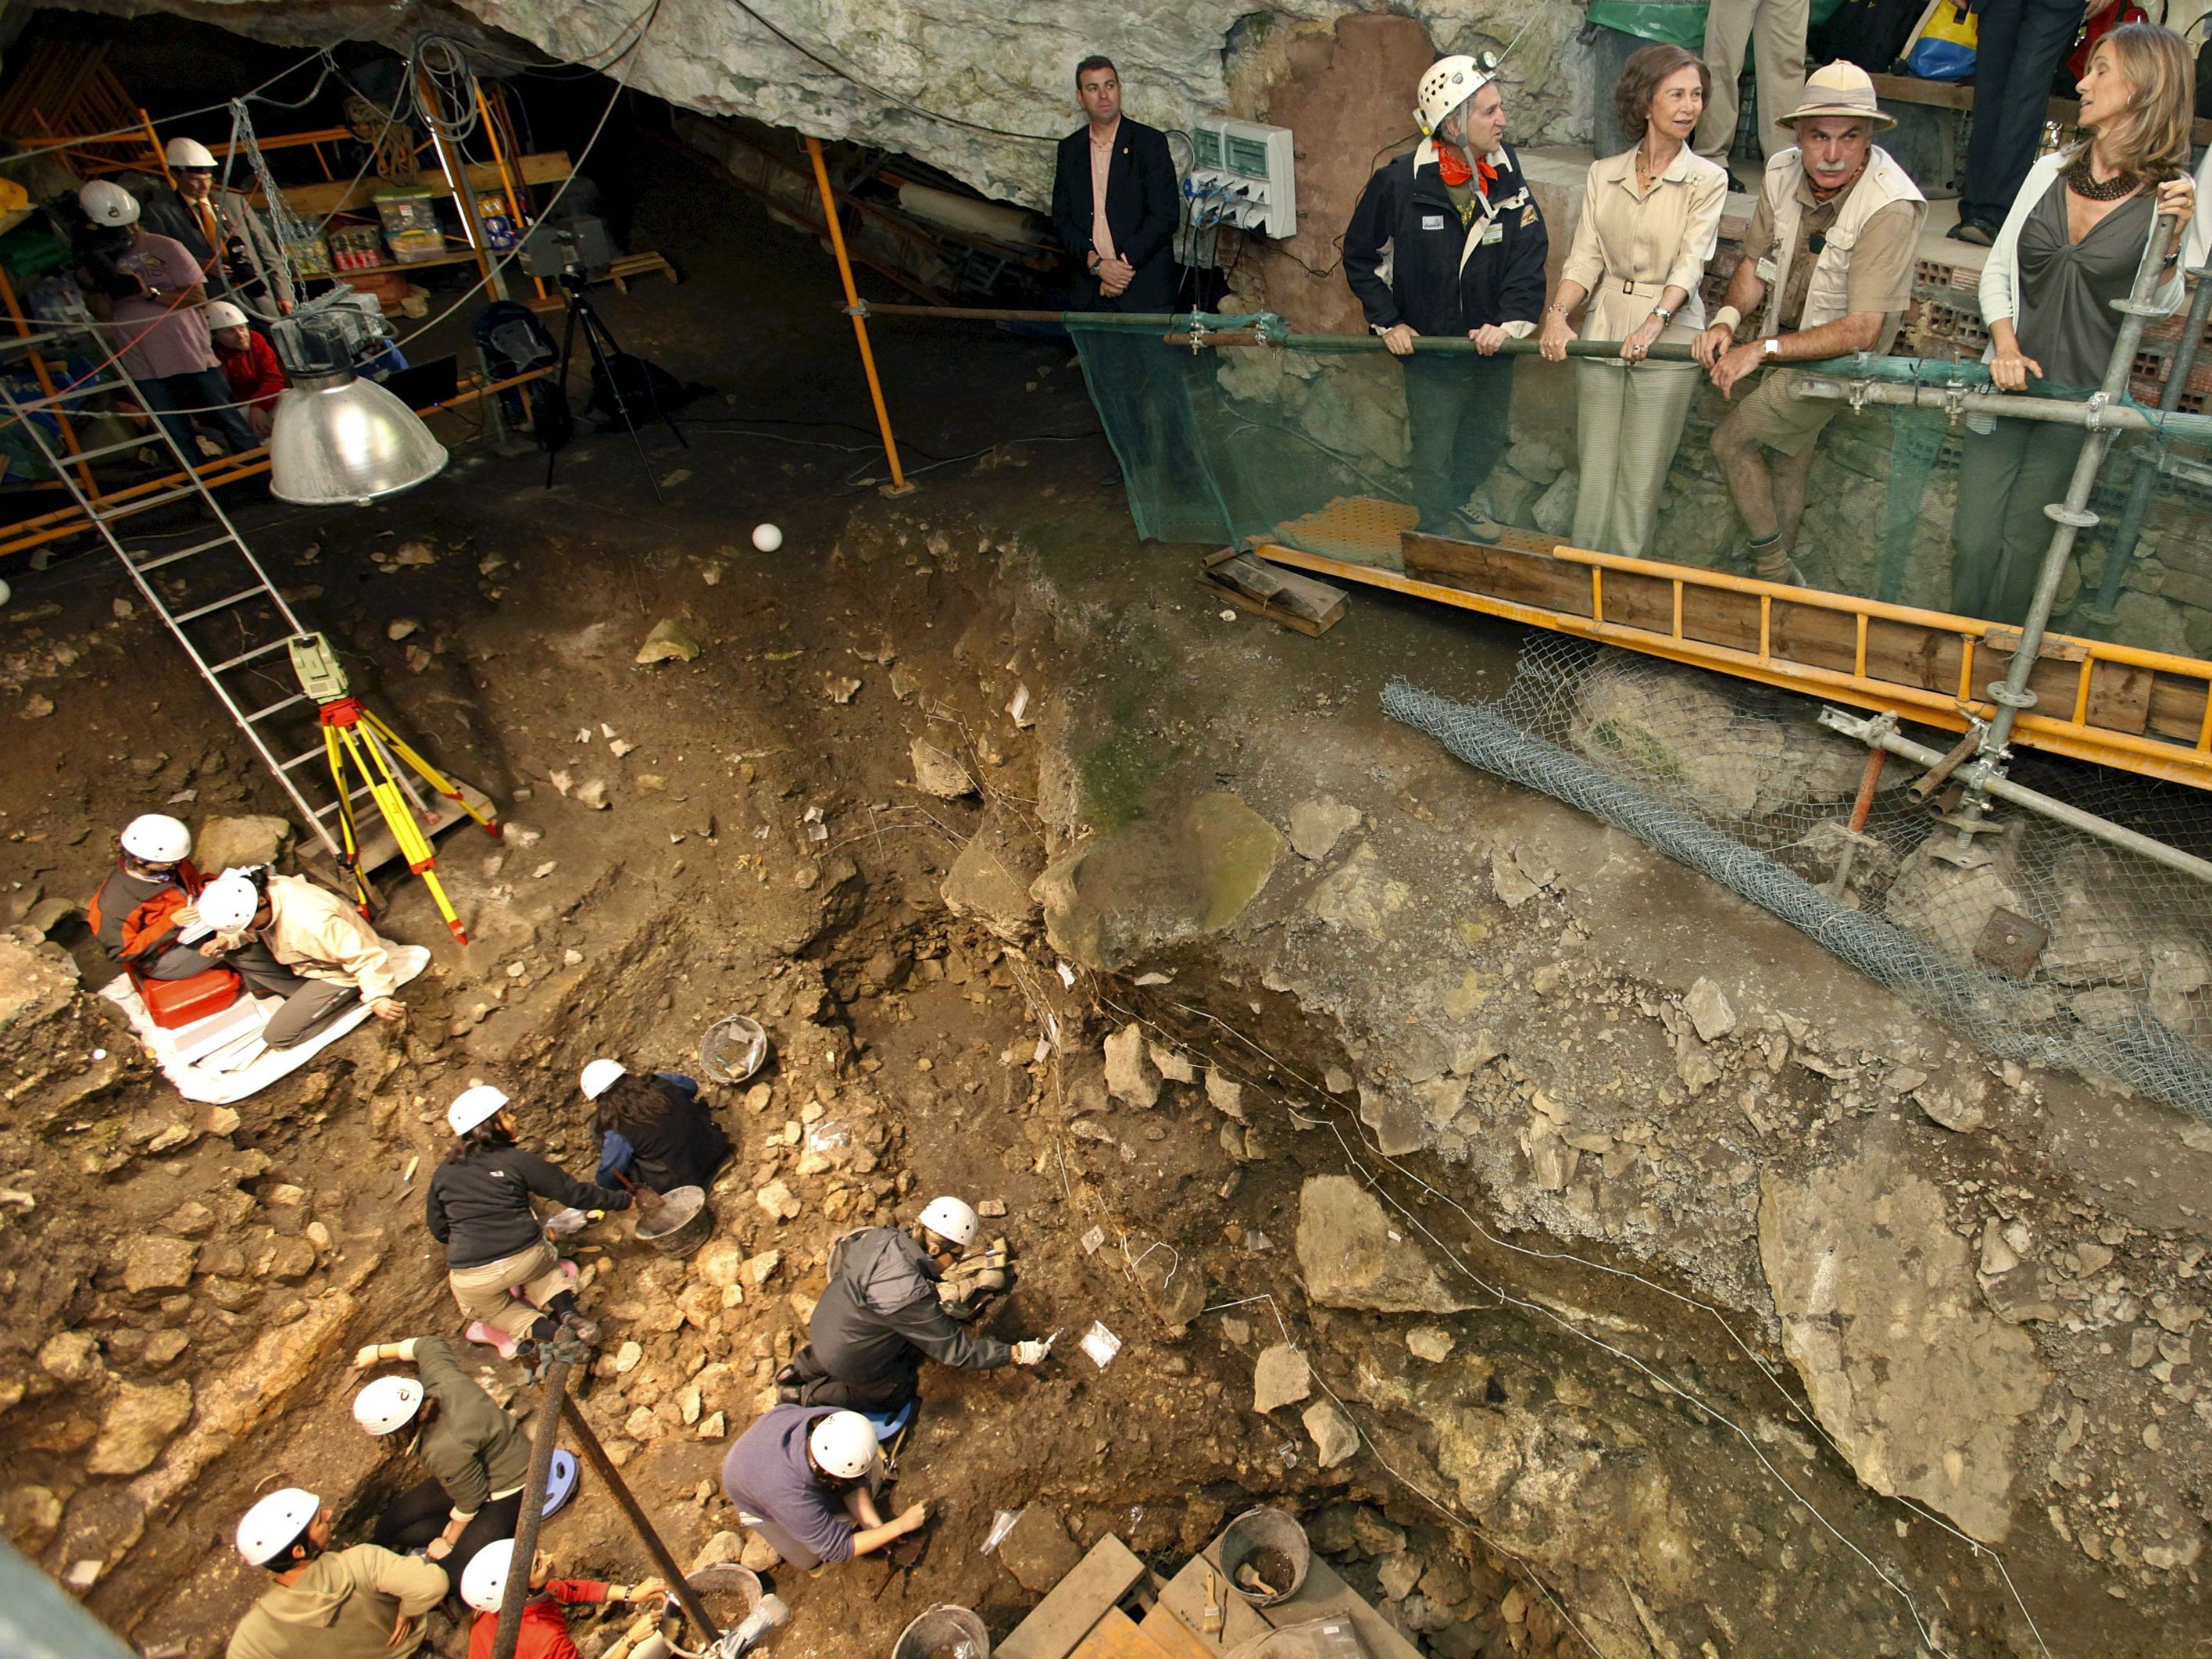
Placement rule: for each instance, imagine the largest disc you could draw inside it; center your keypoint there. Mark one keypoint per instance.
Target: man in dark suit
(1113, 203)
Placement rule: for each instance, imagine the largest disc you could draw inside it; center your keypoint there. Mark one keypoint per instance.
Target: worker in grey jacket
(360, 1603)
(477, 1456)
(881, 1316)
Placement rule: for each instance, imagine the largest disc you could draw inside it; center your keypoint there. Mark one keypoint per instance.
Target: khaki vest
(1826, 295)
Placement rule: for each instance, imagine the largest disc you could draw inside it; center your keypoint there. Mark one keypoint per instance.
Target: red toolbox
(178, 1002)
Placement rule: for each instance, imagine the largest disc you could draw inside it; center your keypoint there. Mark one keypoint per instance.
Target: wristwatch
(1664, 315)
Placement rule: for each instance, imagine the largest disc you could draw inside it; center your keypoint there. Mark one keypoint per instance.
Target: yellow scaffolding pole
(898, 485)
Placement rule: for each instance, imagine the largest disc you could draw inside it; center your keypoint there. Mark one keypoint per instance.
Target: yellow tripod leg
(336, 746)
(385, 788)
(430, 775)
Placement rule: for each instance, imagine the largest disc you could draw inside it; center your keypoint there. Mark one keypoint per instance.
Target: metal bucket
(944, 1633)
(681, 1223)
(733, 1048)
(1275, 1545)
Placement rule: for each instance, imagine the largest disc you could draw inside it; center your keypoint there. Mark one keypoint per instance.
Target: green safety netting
(1306, 441)
(1677, 22)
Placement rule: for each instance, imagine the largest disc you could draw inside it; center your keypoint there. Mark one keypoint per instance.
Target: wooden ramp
(2147, 712)
(1082, 1616)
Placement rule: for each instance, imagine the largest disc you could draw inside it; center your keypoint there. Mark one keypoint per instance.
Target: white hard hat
(598, 1076)
(483, 1585)
(156, 838)
(188, 153)
(274, 1525)
(227, 904)
(108, 204)
(221, 313)
(474, 1105)
(1449, 83)
(388, 1403)
(843, 1444)
(948, 1218)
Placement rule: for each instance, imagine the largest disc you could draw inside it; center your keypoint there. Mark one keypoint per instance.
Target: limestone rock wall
(1005, 66)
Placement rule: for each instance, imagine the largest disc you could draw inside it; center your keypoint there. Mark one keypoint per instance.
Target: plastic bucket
(681, 1225)
(733, 1048)
(944, 1633)
(1274, 1544)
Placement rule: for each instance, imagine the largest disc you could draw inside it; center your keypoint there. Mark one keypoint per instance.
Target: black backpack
(1868, 32)
(515, 342)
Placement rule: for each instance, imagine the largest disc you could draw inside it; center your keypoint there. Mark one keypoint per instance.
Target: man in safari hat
(1826, 270)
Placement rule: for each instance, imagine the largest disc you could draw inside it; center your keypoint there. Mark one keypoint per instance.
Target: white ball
(767, 537)
(6, 592)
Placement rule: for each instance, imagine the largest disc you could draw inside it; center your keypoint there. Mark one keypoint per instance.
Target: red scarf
(1454, 172)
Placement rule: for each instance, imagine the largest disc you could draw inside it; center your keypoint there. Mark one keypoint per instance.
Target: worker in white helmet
(476, 1456)
(244, 262)
(135, 915)
(803, 1480)
(504, 1272)
(1466, 246)
(881, 1315)
(365, 1603)
(654, 1130)
(544, 1630)
(147, 289)
(250, 364)
(323, 957)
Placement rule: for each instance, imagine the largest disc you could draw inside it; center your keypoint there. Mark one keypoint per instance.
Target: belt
(1652, 289)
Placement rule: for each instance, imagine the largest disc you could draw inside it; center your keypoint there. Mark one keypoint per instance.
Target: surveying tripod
(353, 733)
(607, 358)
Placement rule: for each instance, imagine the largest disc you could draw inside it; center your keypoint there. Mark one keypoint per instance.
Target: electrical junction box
(1242, 174)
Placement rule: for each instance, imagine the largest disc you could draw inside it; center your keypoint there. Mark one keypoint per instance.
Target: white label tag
(1495, 232)
(1432, 221)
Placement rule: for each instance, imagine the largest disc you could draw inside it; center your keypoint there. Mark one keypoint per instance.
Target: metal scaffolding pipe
(2092, 414)
(1880, 733)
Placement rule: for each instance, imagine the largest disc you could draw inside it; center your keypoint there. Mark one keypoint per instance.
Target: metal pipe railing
(2059, 411)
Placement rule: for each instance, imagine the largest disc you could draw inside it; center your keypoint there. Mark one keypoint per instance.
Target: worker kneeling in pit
(805, 1480)
(884, 1312)
(477, 1456)
(655, 1131)
(141, 910)
(544, 1630)
(322, 957)
(367, 1602)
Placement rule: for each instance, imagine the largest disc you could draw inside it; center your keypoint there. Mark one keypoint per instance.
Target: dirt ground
(763, 849)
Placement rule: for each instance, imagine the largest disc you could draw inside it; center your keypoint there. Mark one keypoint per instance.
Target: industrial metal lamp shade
(338, 439)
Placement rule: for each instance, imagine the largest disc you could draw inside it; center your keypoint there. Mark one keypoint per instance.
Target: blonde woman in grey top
(2069, 247)
(1649, 220)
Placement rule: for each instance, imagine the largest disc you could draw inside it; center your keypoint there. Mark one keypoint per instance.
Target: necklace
(2083, 184)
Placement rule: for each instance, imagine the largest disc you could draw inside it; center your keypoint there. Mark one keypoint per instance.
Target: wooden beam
(345, 196)
(1057, 1625)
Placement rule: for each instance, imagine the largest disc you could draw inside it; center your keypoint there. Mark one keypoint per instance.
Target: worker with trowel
(544, 1630)
(803, 1480)
(320, 956)
(365, 1603)
(654, 1132)
(503, 1271)
(477, 1456)
(883, 1313)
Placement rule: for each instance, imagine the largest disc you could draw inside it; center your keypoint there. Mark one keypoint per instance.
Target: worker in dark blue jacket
(1465, 246)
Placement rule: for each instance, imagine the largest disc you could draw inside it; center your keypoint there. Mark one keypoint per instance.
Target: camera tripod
(599, 341)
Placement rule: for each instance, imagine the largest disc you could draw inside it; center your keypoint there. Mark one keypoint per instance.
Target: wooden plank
(1173, 1638)
(1312, 607)
(1506, 571)
(1057, 1625)
(1184, 1600)
(1117, 1636)
(346, 195)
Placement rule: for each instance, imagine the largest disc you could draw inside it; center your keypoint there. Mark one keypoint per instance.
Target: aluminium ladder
(233, 622)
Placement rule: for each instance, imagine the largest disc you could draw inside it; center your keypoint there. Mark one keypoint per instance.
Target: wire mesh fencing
(2051, 949)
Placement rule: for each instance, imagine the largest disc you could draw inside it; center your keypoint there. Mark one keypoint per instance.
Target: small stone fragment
(1430, 1342)
(936, 773)
(778, 1200)
(1223, 1096)
(1335, 1436)
(1282, 1377)
(669, 642)
(1710, 1011)
(139, 1422)
(1129, 1075)
(1175, 1067)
